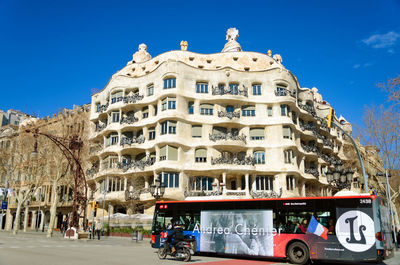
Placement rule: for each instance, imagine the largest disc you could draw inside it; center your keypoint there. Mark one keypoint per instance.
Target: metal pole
(37, 217)
(104, 208)
(391, 209)
(109, 226)
(359, 156)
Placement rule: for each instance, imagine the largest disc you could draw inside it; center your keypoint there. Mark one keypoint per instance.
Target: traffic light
(330, 117)
(94, 206)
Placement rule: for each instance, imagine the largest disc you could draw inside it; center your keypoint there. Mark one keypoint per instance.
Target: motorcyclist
(176, 236)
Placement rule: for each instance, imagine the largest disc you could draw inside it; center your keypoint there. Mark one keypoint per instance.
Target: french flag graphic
(316, 228)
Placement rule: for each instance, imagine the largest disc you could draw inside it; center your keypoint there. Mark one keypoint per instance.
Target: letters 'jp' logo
(355, 231)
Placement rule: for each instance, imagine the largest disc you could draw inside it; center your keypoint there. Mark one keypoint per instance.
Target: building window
(201, 88)
(287, 132)
(112, 139)
(196, 131)
(150, 90)
(201, 155)
(168, 152)
(170, 179)
(206, 109)
(191, 107)
(234, 89)
(155, 110)
(168, 127)
(270, 113)
(221, 89)
(202, 183)
(281, 91)
(290, 183)
(249, 111)
(230, 108)
(152, 133)
(110, 162)
(169, 83)
(294, 117)
(115, 116)
(145, 112)
(168, 103)
(264, 183)
(259, 157)
(256, 90)
(257, 134)
(285, 110)
(289, 156)
(116, 97)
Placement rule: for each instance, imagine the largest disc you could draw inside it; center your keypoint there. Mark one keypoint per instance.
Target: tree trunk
(26, 218)
(53, 209)
(17, 217)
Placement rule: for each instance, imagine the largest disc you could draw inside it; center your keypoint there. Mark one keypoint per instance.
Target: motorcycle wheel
(162, 253)
(187, 255)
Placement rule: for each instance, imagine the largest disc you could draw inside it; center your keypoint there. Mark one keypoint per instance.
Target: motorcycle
(182, 251)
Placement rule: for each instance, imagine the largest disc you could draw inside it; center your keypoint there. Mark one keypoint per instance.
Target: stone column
(34, 219)
(246, 180)
(224, 182)
(26, 212)
(42, 219)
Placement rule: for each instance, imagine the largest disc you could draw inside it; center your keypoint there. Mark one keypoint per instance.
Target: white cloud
(356, 66)
(364, 65)
(379, 41)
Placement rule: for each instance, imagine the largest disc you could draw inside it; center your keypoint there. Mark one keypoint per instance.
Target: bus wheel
(297, 253)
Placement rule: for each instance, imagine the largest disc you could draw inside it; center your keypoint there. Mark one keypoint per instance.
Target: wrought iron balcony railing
(235, 160)
(129, 119)
(228, 114)
(133, 99)
(227, 136)
(141, 164)
(266, 194)
(312, 171)
(100, 127)
(222, 91)
(92, 171)
(102, 108)
(308, 108)
(284, 92)
(194, 193)
(134, 140)
(309, 148)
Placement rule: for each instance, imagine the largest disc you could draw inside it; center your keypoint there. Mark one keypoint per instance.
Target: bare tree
(392, 87)
(26, 174)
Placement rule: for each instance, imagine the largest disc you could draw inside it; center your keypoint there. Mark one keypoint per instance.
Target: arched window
(201, 155)
(169, 82)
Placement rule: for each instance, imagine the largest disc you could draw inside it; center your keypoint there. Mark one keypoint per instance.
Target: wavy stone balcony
(227, 136)
(223, 91)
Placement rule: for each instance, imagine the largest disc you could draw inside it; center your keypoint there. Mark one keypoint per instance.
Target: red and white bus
(356, 228)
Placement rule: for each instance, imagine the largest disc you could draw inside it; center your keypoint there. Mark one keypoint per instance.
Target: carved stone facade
(233, 124)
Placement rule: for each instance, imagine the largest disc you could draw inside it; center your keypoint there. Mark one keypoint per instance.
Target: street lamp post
(340, 178)
(157, 190)
(37, 217)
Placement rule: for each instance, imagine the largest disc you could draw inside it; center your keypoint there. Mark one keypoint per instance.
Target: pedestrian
(90, 230)
(98, 228)
(64, 226)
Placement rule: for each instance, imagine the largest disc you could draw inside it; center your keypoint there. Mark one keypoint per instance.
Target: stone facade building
(233, 124)
(64, 125)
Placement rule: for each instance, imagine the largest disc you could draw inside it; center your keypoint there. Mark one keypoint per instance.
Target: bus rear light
(153, 239)
(165, 206)
(379, 236)
(161, 206)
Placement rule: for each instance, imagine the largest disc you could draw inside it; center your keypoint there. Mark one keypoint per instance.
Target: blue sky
(53, 53)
